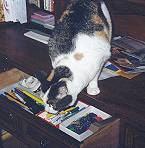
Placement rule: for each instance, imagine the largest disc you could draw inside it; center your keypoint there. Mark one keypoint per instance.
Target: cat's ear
(60, 72)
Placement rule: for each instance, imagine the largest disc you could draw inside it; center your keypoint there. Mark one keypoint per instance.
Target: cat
(78, 50)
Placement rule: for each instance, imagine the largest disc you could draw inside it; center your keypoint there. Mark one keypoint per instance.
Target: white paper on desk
(15, 10)
(106, 74)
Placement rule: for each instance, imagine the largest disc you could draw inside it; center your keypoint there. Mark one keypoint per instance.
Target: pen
(17, 96)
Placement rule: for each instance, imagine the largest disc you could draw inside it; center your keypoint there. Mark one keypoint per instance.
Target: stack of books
(128, 57)
(44, 4)
(43, 18)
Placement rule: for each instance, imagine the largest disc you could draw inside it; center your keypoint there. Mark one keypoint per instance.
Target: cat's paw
(93, 91)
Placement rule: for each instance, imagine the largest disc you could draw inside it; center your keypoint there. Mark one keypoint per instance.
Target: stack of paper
(38, 36)
(128, 57)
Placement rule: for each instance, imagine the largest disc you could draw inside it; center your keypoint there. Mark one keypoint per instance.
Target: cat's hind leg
(93, 88)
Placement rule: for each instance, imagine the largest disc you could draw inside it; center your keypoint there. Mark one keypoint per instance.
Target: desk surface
(25, 53)
(119, 96)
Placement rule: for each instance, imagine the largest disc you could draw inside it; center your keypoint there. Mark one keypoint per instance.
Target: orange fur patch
(96, 19)
(78, 56)
(65, 13)
(102, 34)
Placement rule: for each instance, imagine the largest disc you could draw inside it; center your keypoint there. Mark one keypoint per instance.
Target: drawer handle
(44, 143)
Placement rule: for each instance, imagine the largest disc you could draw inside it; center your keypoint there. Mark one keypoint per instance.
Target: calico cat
(78, 50)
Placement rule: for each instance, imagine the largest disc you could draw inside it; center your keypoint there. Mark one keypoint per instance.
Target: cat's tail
(107, 16)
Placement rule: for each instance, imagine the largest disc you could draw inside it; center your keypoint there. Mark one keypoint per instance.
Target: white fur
(96, 51)
(107, 16)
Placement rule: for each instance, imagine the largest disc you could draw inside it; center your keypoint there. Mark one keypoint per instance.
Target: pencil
(10, 97)
(32, 96)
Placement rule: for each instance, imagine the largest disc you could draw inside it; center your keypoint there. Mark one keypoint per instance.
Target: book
(47, 19)
(128, 54)
(43, 14)
(49, 25)
(44, 19)
(132, 47)
(125, 62)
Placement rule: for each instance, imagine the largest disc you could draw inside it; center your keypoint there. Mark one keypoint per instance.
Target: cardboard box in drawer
(72, 126)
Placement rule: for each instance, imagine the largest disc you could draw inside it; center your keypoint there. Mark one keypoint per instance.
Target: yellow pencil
(32, 96)
(67, 110)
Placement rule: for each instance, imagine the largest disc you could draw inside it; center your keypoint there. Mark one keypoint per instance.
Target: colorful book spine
(49, 5)
(36, 17)
(43, 14)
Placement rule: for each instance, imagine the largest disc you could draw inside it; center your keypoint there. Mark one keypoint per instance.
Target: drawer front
(107, 137)
(134, 138)
(35, 137)
(9, 120)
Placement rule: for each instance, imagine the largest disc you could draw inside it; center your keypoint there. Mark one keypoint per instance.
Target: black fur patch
(63, 103)
(42, 77)
(78, 20)
(61, 72)
(54, 90)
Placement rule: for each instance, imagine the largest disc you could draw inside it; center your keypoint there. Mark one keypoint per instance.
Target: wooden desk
(119, 96)
(37, 133)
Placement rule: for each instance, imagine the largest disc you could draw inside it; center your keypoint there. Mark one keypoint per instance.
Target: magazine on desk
(128, 56)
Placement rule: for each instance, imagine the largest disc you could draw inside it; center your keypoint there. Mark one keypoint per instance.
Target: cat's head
(57, 96)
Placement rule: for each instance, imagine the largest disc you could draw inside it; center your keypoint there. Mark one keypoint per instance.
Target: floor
(10, 141)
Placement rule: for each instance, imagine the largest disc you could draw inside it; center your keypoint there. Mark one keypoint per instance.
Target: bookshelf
(55, 7)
